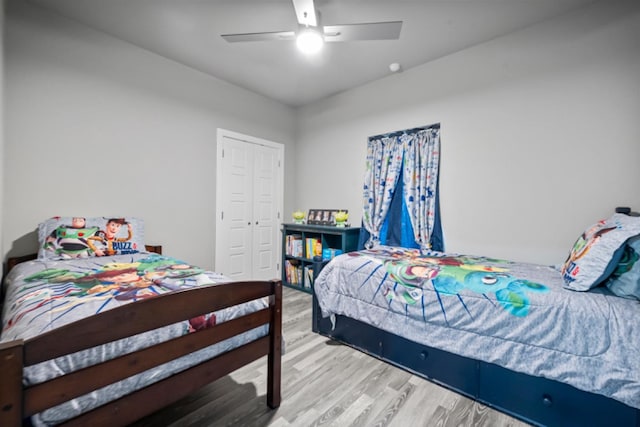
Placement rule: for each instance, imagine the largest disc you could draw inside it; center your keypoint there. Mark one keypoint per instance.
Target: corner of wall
(2, 8)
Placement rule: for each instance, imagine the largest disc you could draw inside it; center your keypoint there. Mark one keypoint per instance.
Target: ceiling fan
(310, 35)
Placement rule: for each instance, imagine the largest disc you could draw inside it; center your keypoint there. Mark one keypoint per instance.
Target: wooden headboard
(13, 261)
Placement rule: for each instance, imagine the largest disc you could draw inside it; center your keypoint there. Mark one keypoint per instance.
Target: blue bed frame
(535, 400)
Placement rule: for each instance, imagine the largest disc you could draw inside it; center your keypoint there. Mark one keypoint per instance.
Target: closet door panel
(265, 200)
(237, 216)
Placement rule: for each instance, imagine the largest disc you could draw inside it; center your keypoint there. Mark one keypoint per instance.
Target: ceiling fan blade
(369, 31)
(254, 37)
(306, 12)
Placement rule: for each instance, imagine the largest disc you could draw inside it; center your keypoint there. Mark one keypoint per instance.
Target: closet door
(265, 211)
(234, 232)
(249, 201)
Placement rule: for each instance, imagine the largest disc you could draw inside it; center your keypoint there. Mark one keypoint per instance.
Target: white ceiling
(188, 31)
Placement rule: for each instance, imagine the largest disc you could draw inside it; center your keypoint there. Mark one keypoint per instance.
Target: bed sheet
(515, 315)
(43, 295)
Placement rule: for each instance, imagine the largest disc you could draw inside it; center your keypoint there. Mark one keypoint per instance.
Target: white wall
(96, 126)
(540, 134)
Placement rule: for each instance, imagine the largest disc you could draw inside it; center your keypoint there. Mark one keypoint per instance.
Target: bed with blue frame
(510, 335)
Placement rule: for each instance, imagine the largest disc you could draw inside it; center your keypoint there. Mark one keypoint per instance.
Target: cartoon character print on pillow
(109, 241)
(596, 253)
(79, 237)
(625, 279)
(70, 240)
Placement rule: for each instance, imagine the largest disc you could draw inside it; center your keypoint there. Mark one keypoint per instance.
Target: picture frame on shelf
(323, 216)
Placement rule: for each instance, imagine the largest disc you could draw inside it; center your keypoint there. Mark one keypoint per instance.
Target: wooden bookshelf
(298, 252)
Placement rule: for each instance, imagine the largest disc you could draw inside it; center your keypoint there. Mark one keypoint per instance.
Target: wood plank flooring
(325, 384)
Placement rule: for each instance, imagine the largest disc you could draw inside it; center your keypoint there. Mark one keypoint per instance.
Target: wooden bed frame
(19, 402)
(535, 400)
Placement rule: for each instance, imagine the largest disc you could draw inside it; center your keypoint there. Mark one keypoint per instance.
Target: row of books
(308, 276)
(294, 247)
(293, 273)
(297, 275)
(313, 247)
(293, 244)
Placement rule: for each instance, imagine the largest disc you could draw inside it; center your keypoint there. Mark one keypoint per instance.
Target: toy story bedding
(516, 315)
(47, 293)
(85, 237)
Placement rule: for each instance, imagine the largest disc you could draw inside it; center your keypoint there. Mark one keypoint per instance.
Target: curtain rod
(400, 132)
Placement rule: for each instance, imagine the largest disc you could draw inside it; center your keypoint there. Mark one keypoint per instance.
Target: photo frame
(323, 216)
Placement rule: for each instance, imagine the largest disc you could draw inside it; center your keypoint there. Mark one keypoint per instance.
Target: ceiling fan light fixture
(309, 41)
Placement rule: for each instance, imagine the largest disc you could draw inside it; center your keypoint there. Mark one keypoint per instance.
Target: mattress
(43, 295)
(512, 314)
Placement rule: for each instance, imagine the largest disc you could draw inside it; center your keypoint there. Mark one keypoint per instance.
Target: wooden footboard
(19, 402)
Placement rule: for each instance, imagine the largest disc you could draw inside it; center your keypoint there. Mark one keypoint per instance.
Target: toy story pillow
(625, 279)
(80, 237)
(597, 252)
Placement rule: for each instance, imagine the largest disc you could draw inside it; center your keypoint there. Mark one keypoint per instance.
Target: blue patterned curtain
(421, 163)
(415, 156)
(383, 166)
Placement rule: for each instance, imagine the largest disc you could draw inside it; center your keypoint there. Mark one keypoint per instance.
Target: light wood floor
(324, 383)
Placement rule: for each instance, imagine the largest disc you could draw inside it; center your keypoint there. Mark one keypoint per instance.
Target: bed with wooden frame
(364, 300)
(18, 402)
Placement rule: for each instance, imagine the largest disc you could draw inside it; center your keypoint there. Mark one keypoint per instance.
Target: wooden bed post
(11, 363)
(274, 359)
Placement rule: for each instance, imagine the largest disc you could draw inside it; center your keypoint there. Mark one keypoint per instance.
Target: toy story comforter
(515, 315)
(43, 295)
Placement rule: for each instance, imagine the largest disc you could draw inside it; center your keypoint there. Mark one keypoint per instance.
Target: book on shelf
(293, 243)
(308, 276)
(287, 271)
(293, 273)
(313, 247)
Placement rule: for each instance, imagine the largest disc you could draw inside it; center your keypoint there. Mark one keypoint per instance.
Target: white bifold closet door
(248, 207)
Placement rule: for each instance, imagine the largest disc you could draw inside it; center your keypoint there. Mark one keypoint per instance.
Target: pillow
(625, 279)
(597, 251)
(79, 237)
